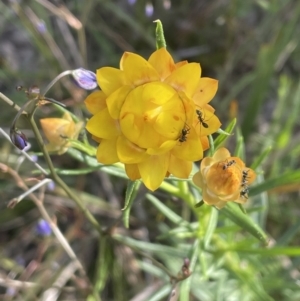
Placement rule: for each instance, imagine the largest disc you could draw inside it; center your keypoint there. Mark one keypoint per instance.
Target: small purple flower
(18, 139)
(85, 79)
(43, 228)
(149, 9)
(51, 186)
(131, 2)
(34, 158)
(41, 26)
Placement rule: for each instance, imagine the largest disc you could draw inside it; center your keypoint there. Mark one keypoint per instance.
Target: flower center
(151, 115)
(224, 178)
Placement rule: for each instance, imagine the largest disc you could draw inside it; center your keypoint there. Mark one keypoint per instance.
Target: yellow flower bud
(58, 131)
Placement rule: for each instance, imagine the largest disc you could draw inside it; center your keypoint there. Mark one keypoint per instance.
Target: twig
(52, 293)
(29, 191)
(9, 102)
(25, 154)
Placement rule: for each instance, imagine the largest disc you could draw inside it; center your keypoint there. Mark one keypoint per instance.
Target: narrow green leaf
(103, 264)
(260, 159)
(290, 177)
(240, 145)
(166, 211)
(220, 131)
(275, 251)
(152, 247)
(131, 191)
(88, 149)
(233, 212)
(199, 204)
(211, 145)
(159, 35)
(161, 293)
(289, 235)
(115, 170)
(222, 137)
(213, 220)
(186, 284)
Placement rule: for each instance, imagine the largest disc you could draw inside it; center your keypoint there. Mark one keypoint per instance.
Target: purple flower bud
(18, 139)
(85, 79)
(149, 9)
(43, 228)
(131, 2)
(41, 26)
(34, 158)
(51, 186)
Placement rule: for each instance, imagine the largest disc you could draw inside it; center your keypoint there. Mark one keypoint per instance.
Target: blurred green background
(252, 48)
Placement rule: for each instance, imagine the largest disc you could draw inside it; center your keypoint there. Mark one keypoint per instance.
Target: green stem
(59, 181)
(56, 79)
(159, 35)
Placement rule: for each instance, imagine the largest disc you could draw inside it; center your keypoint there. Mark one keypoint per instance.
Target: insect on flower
(184, 132)
(201, 119)
(245, 178)
(228, 164)
(244, 192)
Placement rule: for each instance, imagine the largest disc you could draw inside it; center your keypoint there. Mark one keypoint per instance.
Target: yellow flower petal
(198, 179)
(162, 62)
(185, 78)
(106, 152)
(130, 153)
(140, 115)
(153, 170)
(165, 147)
(132, 171)
(116, 100)
(211, 199)
(143, 134)
(191, 149)
(110, 79)
(180, 168)
(95, 102)
(137, 70)
(180, 64)
(205, 122)
(221, 154)
(205, 91)
(171, 118)
(102, 125)
(205, 143)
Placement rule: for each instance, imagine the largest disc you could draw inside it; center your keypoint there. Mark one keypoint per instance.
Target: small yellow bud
(58, 131)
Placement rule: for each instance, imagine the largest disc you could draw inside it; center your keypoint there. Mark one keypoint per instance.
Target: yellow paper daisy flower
(223, 178)
(147, 116)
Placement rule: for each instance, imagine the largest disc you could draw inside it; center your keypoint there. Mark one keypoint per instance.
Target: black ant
(201, 118)
(244, 192)
(228, 164)
(244, 178)
(184, 132)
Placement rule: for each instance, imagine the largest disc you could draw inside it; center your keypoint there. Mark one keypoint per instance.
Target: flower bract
(223, 178)
(145, 116)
